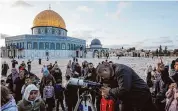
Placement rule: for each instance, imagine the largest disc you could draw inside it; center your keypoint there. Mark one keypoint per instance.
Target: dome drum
(95, 43)
(49, 31)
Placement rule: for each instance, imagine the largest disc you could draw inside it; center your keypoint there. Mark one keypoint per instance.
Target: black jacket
(175, 77)
(128, 87)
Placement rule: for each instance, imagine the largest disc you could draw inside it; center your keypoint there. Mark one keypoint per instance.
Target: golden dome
(49, 18)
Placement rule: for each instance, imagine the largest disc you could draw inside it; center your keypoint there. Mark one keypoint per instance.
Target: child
(27, 82)
(3, 83)
(59, 94)
(31, 100)
(49, 96)
(172, 98)
(7, 101)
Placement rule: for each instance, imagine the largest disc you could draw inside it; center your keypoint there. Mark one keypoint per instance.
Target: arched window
(35, 45)
(72, 48)
(68, 46)
(18, 45)
(41, 45)
(46, 45)
(63, 46)
(23, 45)
(39, 31)
(53, 31)
(59, 32)
(29, 45)
(58, 46)
(52, 46)
(46, 30)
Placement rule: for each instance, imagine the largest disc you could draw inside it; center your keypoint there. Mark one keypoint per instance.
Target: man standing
(124, 84)
(5, 68)
(29, 65)
(14, 62)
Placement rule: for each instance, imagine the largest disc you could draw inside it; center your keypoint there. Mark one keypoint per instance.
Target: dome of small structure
(95, 42)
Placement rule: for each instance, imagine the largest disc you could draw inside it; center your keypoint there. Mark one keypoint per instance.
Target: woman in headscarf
(7, 101)
(31, 100)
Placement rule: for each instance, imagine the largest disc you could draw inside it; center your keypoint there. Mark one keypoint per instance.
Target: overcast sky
(140, 24)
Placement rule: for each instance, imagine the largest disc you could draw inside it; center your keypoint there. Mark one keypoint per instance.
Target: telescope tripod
(85, 99)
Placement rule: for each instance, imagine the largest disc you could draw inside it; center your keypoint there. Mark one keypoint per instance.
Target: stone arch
(52, 46)
(95, 53)
(102, 53)
(63, 46)
(68, 47)
(58, 46)
(72, 47)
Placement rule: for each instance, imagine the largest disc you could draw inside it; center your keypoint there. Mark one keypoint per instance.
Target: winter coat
(57, 74)
(175, 77)
(171, 102)
(129, 87)
(27, 105)
(11, 78)
(68, 72)
(91, 74)
(9, 106)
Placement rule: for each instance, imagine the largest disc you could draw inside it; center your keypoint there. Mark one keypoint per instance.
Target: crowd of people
(24, 91)
(163, 82)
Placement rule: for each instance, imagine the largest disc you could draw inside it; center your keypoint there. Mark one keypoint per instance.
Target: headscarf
(45, 72)
(28, 89)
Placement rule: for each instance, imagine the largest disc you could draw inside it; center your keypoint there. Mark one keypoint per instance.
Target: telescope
(84, 83)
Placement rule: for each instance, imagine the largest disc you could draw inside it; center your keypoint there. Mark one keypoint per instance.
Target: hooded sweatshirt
(9, 106)
(27, 105)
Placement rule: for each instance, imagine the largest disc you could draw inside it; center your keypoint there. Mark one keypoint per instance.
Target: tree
(160, 50)
(165, 50)
(156, 52)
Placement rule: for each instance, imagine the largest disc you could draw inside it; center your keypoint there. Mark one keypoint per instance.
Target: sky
(115, 23)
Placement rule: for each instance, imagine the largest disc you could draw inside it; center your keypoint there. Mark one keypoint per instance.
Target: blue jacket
(10, 106)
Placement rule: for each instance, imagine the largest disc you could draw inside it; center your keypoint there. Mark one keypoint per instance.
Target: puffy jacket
(10, 106)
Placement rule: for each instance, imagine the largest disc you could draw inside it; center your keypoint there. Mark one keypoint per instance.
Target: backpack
(107, 104)
(49, 91)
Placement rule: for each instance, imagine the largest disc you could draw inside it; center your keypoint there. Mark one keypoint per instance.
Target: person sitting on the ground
(31, 100)
(7, 100)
